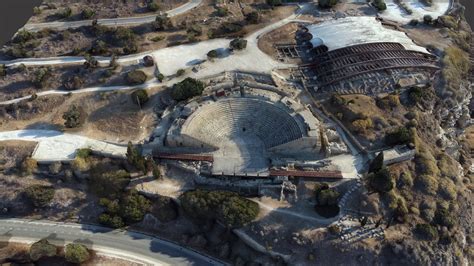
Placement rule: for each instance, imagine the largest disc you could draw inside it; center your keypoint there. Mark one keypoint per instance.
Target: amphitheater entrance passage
(241, 155)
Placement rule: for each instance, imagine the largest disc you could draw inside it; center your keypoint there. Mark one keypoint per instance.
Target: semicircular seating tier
(242, 118)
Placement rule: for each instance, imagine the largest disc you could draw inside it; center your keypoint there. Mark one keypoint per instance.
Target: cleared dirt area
(50, 10)
(110, 116)
(283, 35)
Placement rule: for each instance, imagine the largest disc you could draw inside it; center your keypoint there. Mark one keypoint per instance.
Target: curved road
(112, 22)
(122, 244)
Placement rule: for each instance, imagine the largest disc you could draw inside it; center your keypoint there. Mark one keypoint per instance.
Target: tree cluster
(130, 208)
(187, 89)
(40, 195)
(227, 207)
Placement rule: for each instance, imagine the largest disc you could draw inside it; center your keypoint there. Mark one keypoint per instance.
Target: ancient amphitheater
(241, 128)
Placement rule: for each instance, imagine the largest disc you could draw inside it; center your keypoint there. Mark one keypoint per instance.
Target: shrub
(426, 231)
(136, 77)
(160, 77)
(456, 66)
(194, 30)
(399, 136)
(377, 163)
(107, 183)
(428, 19)
(447, 21)
(447, 189)
(152, 6)
(162, 22)
(74, 83)
(133, 207)
(80, 164)
(229, 27)
(180, 72)
(274, 2)
(73, 117)
(253, 17)
(42, 77)
(140, 97)
(3, 71)
(65, 13)
(380, 5)
(227, 207)
(427, 184)
(362, 125)
(186, 89)
(76, 253)
(222, 11)
(238, 44)
(414, 22)
(406, 179)
(327, 3)
(83, 153)
(327, 197)
(381, 181)
(87, 13)
(55, 168)
(426, 164)
(444, 218)
(212, 54)
(165, 209)
(42, 249)
(40, 195)
(113, 221)
(28, 166)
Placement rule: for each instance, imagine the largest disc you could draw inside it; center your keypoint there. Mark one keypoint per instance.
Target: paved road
(117, 243)
(112, 22)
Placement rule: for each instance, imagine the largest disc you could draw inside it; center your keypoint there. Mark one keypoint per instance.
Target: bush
(160, 77)
(186, 89)
(426, 231)
(136, 77)
(74, 83)
(222, 11)
(227, 207)
(428, 19)
(140, 97)
(73, 117)
(212, 54)
(381, 181)
(65, 13)
(444, 218)
(42, 77)
(87, 13)
(162, 22)
(76, 253)
(165, 209)
(447, 189)
(28, 166)
(194, 30)
(399, 136)
(180, 72)
(42, 249)
(362, 125)
(380, 5)
(133, 207)
(327, 3)
(152, 6)
(3, 71)
(447, 21)
(253, 17)
(238, 44)
(414, 22)
(114, 221)
(40, 195)
(377, 163)
(456, 66)
(107, 183)
(274, 2)
(83, 153)
(427, 184)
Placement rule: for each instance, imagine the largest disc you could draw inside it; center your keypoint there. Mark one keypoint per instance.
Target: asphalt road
(116, 243)
(127, 21)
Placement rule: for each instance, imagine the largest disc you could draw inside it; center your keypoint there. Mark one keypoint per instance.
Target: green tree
(238, 44)
(426, 231)
(136, 77)
(380, 5)
(42, 77)
(327, 3)
(40, 195)
(212, 54)
(73, 117)
(381, 181)
(186, 89)
(162, 22)
(140, 97)
(399, 136)
(87, 13)
(134, 206)
(152, 6)
(42, 249)
(76, 253)
(74, 83)
(377, 163)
